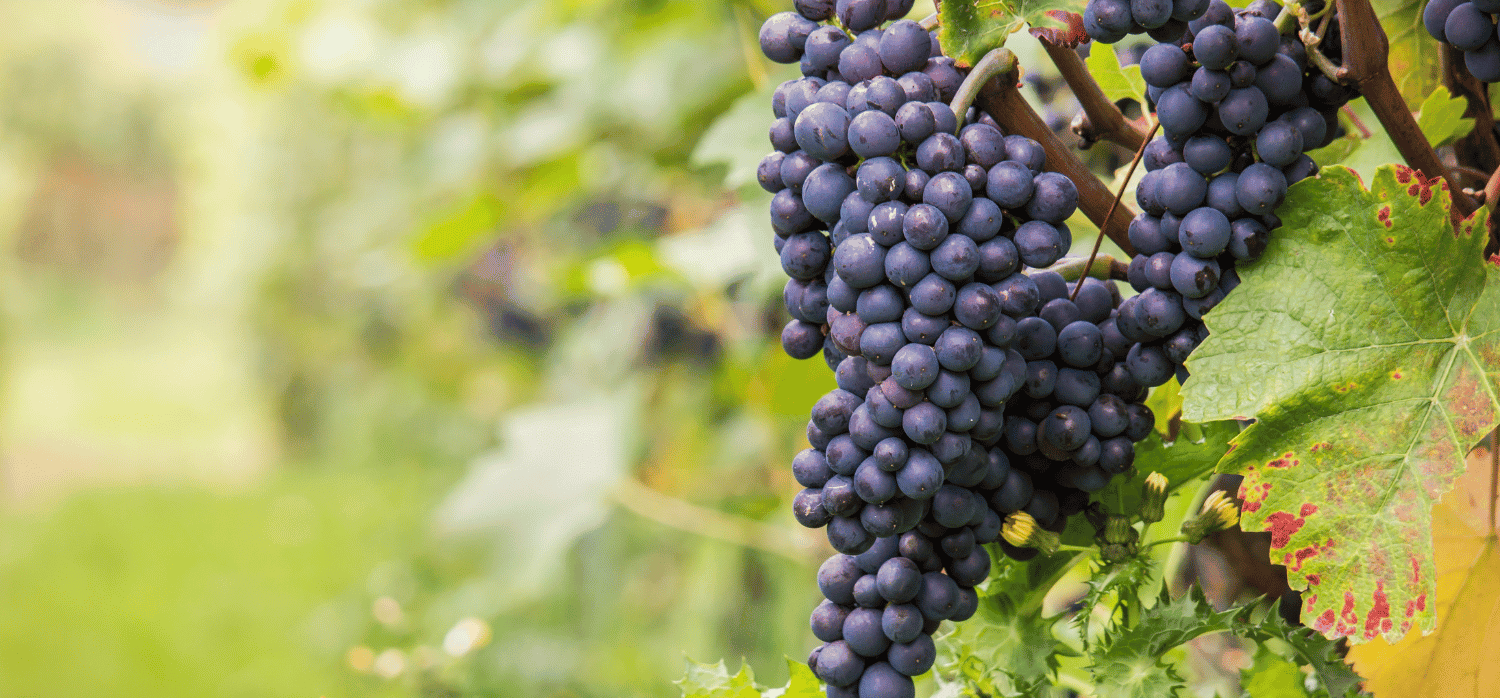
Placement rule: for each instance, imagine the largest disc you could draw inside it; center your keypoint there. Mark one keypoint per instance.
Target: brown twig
(1119, 192)
(1004, 103)
(1366, 51)
(1105, 118)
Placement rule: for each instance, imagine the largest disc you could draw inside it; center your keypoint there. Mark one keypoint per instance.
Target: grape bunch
(1239, 108)
(1470, 28)
(967, 389)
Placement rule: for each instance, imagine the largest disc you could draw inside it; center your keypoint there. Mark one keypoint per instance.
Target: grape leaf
(1457, 659)
(968, 29)
(715, 681)
(1366, 343)
(1442, 119)
(1414, 54)
(1118, 83)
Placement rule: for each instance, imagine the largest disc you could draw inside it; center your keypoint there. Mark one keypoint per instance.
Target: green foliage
(1442, 118)
(971, 28)
(1118, 83)
(714, 681)
(1414, 55)
(1365, 344)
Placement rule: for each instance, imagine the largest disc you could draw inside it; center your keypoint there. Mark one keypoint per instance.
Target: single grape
(984, 145)
(1151, 13)
(824, 191)
(956, 258)
(1076, 387)
(977, 306)
(950, 193)
(924, 226)
(1161, 152)
(1204, 233)
(1257, 38)
(1026, 151)
(1467, 28)
(1188, 10)
(1244, 111)
(1260, 189)
(1108, 21)
(1280, 80)
(1055, 199)
(904, 47)
(983, 220)
(1039, 244)
(1209, 85)
(941, 152)
(822, 129)
(1222, 195)
(1194, 277)
(1165, 65)
(1215, 47)
(1158, 312)
(915, 122)
(1484, 62)
(859, 15)
(1180, 113)
(1435, 17)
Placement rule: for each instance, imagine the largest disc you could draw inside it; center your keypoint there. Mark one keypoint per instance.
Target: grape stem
(1366, 53)
(1119, 192)
(1000, 98)
(1105, 121)
(1108, 267)
(994, 63)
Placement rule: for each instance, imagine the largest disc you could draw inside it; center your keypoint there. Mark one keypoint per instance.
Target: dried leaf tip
(1219, 513)
(1022, 531)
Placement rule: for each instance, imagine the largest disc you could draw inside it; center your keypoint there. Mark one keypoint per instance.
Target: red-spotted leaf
(1366, 344)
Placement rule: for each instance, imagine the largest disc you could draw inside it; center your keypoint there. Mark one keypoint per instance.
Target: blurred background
(394, 348)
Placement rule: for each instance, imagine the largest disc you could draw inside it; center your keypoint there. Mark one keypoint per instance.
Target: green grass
(193, 592)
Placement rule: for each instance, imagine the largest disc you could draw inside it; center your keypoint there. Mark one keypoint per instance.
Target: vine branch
(1366, 53)
(1105, 120)
(1003, 101)
(1119, 192)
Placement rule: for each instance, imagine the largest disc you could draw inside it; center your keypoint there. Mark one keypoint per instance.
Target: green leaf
(1132, 664)
(802, 684)
(1185, 459)
(1366, 343)
(1272, 677)
(1118, 83)
(1414, 54)
(1310, 649)
(1442, 119)
(737, 139)
(971, 28)
(714, 681)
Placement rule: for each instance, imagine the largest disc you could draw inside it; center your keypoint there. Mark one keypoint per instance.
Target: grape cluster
(1468, 27)
(1239, 108)
(968, 390)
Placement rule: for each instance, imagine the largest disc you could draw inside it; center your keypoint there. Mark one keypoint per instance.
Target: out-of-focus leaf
(1414, 53)
(1442, 118)
(1273, 677)
(1165, 402)
(715, 681)
(457, 230)
(730, 249)
(737, 139)
(547, 485)
(1458, 659)
(1370, 379)
(1185, 459)
(1118, 83)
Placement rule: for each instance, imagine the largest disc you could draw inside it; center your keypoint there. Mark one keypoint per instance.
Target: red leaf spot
(1413, 189)
(1315, 579)
(1421, 602)
(1403, 173)
(1283, 525)
(1324, 622)
(1384, 215)
(1416, 571)
(1378, 620)
(1411, 608)
(1251, 507)
(1395, 375)
(1495, 259)
(1308, 510)
(1300, 556)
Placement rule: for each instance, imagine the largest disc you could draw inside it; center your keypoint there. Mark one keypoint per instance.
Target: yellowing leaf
(1458, 659)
